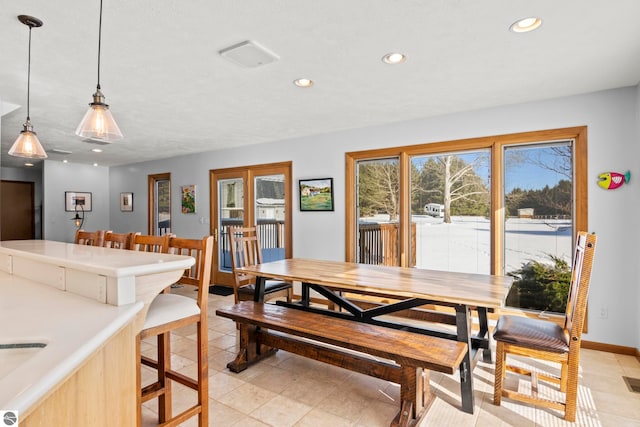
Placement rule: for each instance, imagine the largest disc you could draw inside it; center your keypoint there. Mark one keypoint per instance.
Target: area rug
(220, 290)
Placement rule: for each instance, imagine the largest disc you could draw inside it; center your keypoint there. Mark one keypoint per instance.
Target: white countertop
(105, 261)
(73, 298)
(111, 276)
(72, 326)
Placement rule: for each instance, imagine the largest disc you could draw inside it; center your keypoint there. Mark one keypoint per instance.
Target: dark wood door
(17, 211)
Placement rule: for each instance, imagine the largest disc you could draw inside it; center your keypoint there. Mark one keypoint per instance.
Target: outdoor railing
(379, 244)
(271, 234)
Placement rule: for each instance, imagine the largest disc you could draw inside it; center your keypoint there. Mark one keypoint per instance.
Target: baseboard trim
(611, 348)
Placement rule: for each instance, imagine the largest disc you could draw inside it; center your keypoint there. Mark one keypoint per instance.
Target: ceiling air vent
(60, 151)
(248, 54)
(96, 141)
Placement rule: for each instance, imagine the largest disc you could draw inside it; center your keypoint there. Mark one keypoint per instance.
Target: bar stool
(169, 312)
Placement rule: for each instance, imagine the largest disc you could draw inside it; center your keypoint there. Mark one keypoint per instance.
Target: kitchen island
(70, 315)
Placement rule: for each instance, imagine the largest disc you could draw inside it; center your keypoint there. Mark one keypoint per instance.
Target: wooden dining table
(398, 291)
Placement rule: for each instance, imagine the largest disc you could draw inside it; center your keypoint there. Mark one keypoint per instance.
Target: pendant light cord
(29, 75)
(99, 43)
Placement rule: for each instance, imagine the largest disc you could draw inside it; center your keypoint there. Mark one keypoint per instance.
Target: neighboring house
(525, 213)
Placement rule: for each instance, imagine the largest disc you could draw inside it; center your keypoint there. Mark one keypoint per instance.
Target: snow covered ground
(463, 245)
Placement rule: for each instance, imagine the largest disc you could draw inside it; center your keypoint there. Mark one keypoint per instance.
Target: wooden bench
(408, 356)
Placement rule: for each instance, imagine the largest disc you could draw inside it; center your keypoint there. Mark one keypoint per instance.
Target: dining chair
(167, 313)
(117, 240)
(547, 340)
(149, 243)
(89, 238)
(245, 250)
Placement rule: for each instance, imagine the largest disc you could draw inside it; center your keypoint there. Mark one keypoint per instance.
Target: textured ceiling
(172, 93)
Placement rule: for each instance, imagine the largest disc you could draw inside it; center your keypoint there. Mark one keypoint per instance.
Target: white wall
(59, 177)
(613, 124)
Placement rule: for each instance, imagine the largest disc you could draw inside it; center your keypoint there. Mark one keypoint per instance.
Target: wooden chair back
(244, 244)
(117, 240)
(200, 273)
(245, 251)
(576, 310)
(148, 243)
(90, 238)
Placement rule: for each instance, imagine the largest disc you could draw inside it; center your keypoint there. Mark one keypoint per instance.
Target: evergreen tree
(540, 286)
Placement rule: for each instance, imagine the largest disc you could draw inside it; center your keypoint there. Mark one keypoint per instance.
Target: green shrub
(541, 286)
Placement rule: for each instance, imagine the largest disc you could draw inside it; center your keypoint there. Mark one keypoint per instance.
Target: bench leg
(415, 397)
(250, 351)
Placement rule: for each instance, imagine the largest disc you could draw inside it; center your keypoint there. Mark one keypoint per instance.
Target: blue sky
(528, 167)
(527, 174)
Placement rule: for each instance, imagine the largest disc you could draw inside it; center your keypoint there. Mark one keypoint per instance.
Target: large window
(508, 204)
(450, 209)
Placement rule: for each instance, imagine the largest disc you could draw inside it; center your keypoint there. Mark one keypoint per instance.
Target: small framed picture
(74, 200)
(126, 202)
(316, 194)
(188, 199)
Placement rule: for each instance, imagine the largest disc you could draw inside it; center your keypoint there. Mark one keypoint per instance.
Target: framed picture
(188, 199)
(316, 194)
(126, 202)
(73, 199)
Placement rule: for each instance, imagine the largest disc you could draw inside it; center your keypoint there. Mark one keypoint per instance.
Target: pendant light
(78, 220)
(27, 144)
(98, 123)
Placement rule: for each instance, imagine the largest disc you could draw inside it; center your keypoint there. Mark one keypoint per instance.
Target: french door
(251, 195)
(159, 221)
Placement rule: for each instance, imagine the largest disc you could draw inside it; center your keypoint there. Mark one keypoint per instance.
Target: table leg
(463, 325)
(484, 333)
(258, 294)
(306, 296)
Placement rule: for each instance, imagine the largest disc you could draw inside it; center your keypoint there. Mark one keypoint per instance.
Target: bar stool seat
(166, 308)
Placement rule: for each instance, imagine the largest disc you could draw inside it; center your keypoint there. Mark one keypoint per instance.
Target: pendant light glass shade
(27, 145)
(98, 122)
(77, 219)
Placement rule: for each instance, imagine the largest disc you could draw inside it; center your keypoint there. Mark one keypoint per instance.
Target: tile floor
(288, 390)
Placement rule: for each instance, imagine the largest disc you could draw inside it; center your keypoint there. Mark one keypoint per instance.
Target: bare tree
(460, 182)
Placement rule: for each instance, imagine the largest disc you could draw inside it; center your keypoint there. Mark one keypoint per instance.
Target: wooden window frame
(496, 145)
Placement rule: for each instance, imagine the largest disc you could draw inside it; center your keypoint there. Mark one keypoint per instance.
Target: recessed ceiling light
(95, 164)
(65, 161)
(526, 25)
(28, 164)
(393, 58)
(303, 82)
(97, 150)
